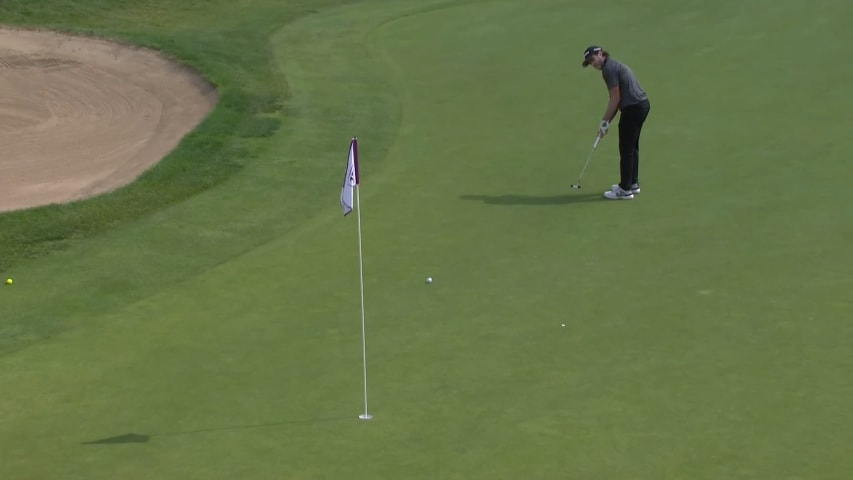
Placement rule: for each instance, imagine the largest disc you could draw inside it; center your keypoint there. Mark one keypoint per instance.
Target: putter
(594, 146)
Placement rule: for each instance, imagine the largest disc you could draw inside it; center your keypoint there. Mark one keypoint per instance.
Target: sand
(82, 116)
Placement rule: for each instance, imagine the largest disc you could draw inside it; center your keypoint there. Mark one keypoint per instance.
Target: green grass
(707, 322)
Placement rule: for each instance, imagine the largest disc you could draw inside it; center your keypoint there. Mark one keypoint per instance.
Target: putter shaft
(588, 158)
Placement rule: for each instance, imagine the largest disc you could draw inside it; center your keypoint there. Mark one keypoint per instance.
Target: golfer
(625, 96)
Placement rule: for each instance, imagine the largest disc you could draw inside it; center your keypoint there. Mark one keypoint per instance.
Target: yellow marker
(9, 281)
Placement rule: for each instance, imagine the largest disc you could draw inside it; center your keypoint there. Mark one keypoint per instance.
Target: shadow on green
(534, 200)
(144, 438)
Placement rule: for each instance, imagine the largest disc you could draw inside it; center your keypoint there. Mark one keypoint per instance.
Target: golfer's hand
(603, 127)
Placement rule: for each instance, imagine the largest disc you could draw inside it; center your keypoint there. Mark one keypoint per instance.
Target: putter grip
(595, 145)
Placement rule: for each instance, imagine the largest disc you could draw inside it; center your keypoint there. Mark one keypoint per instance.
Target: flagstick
(365, 416)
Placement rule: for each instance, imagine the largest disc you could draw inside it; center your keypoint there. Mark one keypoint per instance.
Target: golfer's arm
(613, 104)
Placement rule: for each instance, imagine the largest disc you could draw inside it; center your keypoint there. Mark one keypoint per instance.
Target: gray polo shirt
(616, 73)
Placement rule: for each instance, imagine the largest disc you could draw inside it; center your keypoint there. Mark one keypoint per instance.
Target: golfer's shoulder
(614, 65)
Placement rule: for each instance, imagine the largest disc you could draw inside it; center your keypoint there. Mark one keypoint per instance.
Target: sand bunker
(80, 116)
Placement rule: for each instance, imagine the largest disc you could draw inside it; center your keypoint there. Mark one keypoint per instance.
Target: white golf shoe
(616, 193)
(635, 188)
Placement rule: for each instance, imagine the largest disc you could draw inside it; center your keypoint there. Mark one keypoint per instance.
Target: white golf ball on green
(429, 280)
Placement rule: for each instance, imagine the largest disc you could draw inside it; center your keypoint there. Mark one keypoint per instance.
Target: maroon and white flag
(350, 178)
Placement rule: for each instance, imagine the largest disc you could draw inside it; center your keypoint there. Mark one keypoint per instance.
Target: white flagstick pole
(365, 416)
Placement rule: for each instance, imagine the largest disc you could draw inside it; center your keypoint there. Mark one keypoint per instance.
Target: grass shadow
(126, 438)
(119, 439)
(534, 200)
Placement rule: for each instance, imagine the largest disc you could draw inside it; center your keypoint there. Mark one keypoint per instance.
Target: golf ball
(429, 280)
(563, 325)
(9, 281)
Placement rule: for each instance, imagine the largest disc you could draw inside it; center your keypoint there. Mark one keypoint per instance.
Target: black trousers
(630, 124)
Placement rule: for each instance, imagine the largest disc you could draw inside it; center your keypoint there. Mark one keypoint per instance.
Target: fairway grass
(707, 321)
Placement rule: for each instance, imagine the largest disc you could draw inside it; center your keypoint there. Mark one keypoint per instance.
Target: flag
(347, 205)
(350, 177)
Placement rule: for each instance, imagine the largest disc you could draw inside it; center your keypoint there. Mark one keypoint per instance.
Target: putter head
(576, 186)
